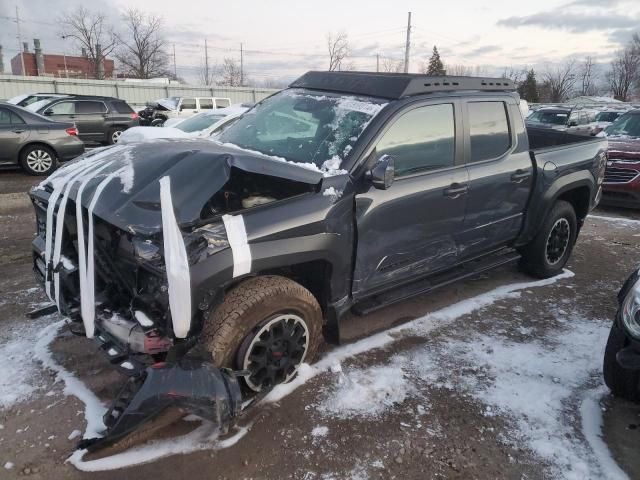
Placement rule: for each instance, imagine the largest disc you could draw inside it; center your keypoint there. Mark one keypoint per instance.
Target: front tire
(547, 254)
(268, 325)
(623, 383)
(38, 160)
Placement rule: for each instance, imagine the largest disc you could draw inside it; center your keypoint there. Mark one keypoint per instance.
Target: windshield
(304, 127)
(626, 125)
(198, 122)
(553, 118)
(607, 116)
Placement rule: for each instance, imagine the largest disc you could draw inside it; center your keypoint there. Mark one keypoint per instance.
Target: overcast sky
(283, 38)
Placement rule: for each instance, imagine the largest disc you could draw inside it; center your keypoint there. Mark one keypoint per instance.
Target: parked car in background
(183, 107)
(34, 142)
(622, 355)
(566, 119)
(29, 98)
(99, 119)
(604, 118)
(201, 125)
(621, 185)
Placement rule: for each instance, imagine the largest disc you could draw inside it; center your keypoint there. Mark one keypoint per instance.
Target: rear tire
(547, 254)
(623, 383)
(114, 135)
(38, 160)
(268, 325)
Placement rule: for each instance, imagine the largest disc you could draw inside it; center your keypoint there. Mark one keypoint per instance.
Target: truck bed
(541, 138)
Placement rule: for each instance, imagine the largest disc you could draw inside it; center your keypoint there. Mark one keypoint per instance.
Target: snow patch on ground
(320, 431)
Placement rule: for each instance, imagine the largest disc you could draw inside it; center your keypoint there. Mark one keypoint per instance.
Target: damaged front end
(123, 238)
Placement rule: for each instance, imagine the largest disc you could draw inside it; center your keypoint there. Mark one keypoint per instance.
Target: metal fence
(136, 93)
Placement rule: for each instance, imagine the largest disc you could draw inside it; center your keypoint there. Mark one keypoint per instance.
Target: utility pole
(206, 62)
(241, 66)
(377, 62)
(407, 46)
(24, 72)
(175, 70)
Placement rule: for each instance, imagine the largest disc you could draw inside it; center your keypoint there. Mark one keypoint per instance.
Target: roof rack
(397, 85)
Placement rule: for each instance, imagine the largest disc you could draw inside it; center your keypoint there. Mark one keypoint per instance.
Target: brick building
(43, 64)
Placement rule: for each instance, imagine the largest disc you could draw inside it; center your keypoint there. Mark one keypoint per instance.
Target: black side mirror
(48, 112)
(383, 172)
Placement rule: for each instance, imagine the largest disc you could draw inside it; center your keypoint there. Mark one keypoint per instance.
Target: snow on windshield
(314, 131)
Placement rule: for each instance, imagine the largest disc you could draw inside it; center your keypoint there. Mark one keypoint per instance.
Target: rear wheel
(114, 135)
(547, 254)
(622, 382)
(38, 160)
(268, 326)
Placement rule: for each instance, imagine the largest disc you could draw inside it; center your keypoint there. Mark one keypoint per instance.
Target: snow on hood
(147, 134)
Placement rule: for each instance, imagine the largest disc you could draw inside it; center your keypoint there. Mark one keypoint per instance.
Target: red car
(621, 185)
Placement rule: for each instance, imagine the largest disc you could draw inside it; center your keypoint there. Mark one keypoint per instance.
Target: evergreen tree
(435, 66)
(528, 89)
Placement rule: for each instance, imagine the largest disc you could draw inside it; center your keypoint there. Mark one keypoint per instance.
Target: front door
(500, 176)
(411, 229)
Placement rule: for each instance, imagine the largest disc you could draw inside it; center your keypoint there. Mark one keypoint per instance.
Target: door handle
(519, 176)
(18, 131)
(456, 190)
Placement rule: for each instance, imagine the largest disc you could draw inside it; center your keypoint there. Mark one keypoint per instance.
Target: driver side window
(63, 108)
(422, 139)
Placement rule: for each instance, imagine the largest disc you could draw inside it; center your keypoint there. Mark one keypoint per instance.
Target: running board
(426, 285)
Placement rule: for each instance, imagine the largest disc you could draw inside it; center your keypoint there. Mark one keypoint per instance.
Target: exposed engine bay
(247, 190)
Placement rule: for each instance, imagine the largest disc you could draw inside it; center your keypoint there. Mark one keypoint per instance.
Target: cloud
(483, 50)
(573, 22)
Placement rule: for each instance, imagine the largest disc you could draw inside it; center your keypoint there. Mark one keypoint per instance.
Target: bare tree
(459, 70)
(230, 74)
(142, 48)
(391, 66)
(338, 48)
(206, 74)
(624, 72)
(560, 80)
(588, 77)
(91, 33)
(514, 74)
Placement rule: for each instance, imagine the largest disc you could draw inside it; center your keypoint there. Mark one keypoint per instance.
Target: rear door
(13, 133)
(500, 175)
(411, 229)
(91, 119)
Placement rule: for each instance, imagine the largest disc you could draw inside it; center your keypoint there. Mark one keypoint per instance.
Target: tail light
(72, 131)
(134, 116)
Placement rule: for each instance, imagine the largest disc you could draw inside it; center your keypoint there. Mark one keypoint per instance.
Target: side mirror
(573, 123)
(48, 112)
(383, 172)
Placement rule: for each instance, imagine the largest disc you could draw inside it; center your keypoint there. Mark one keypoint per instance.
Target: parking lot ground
(498, 376)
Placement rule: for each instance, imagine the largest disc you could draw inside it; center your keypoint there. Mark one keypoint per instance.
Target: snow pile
(319, 431)
(332, 192)
(149, 134)
(367, 392)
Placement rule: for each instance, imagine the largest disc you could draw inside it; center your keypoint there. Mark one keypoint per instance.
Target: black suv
(99, 119)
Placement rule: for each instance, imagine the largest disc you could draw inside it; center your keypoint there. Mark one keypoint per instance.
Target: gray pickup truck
(346, 192)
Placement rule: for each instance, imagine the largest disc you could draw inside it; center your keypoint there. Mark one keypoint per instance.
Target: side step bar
(426, 285)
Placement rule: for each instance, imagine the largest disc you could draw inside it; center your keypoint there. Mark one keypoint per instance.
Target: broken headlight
(630, 311)
(145, 250)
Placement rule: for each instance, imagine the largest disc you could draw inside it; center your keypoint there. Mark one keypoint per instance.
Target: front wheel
(547, 254)
(622, 382)
(38, 160)
(268, 326)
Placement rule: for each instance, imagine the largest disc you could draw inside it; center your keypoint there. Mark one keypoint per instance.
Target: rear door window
(88, 108)
(206, 103)
(63, 108)
(490, 136)
(188, 104)
(422, 139)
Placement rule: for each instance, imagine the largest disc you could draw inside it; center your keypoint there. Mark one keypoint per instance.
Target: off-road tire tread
(227, 325)
(533, 254)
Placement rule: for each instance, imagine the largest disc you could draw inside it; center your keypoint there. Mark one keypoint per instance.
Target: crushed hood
(197, 168)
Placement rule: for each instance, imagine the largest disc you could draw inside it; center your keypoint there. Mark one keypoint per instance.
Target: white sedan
(201, 125)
